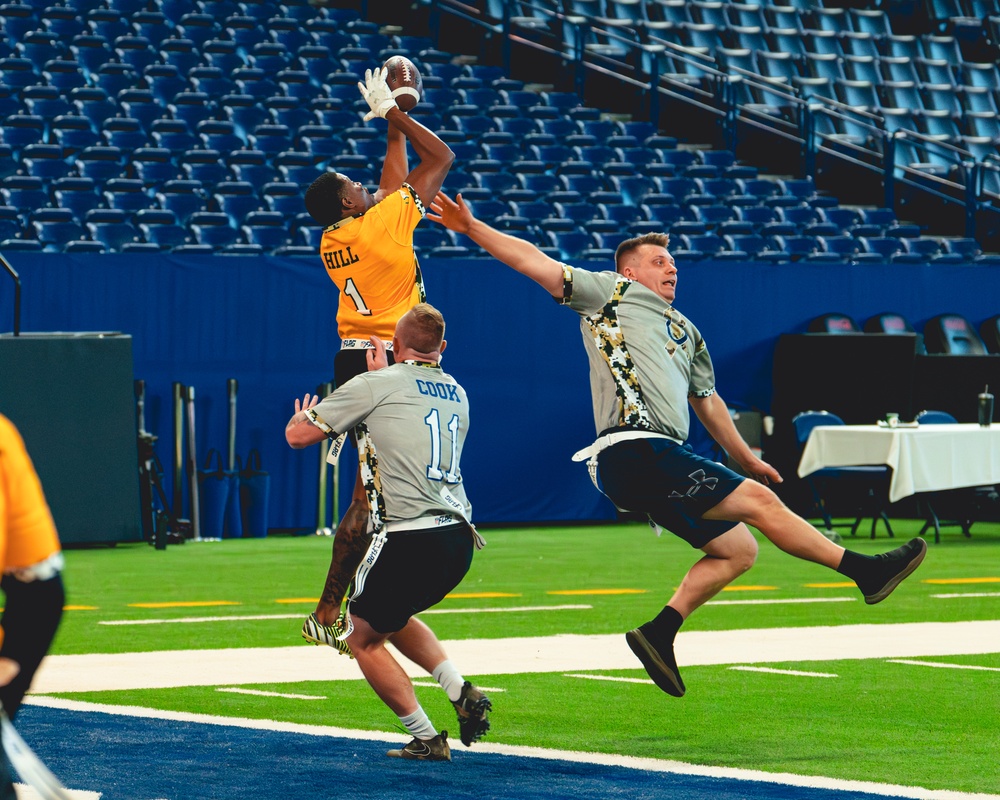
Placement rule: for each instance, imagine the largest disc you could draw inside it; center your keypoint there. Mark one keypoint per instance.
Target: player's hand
(453, 214)
(9, 670)
(377, 94)
(761, 471)
(376, 356)
(308, 401)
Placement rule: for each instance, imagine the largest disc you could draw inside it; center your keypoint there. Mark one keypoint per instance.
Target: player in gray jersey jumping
(412, 419)
(648, 364)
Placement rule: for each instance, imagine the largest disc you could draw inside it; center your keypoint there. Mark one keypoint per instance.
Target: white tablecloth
(925, 459)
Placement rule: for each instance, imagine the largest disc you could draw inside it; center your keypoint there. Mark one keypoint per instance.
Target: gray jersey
(417, 418)
(646, 358)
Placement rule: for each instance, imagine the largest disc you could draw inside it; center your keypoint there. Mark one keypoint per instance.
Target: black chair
(873, 481)
(833, 323)
(895, 324)
(990, 331)
(964, 500)
(954, 335)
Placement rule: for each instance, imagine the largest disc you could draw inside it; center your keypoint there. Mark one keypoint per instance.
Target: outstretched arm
(396, 165)
(300, 432)
(435, 156)
(521, 256)
(714, 415)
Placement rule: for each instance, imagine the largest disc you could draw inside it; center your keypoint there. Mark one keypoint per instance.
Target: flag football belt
(362, 344)
(604, 442)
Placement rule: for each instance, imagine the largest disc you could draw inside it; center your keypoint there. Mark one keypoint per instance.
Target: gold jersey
(371, 260)
(27, 532)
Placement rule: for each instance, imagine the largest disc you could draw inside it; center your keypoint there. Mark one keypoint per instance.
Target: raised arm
(435, 156)
(521, 256)
(396, 165)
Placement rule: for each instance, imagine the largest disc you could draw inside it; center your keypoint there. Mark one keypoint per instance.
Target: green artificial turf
(877, 721)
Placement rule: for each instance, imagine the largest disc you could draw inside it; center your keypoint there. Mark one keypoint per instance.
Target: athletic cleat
(658, 659)
(316, 632)
(473, 709)
(435, 749)
(899, 564)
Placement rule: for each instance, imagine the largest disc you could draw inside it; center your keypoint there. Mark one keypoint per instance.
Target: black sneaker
(895, 567)
(435, 749)
(473, 708)
(657, 656)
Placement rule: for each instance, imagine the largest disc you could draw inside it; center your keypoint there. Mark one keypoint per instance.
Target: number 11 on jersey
(434, 473)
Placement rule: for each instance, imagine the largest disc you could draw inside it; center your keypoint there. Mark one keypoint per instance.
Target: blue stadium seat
(154, 166)
(111, 227)
(198, 27)
(127, 194)
(10, 223)
(192, 108)
(203, 165)
(45, 161)
(78, 195)
(250, 165)
(53, 227)
(24, 192)
(161, 228)
(136, 51)
(20, 130)
(43, 100)
(212, 80)
(213, 229)
(183, 197)
(236, 199)
(283, 197)
(181, 53)
(265, 228)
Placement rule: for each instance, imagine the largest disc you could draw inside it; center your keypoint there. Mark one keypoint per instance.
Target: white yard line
(941, 665)
(612, 678)
(953, 595)
(479, 657)
(603, 759)
(795, 672)
(777, 601)
(256, 617)
(258, 693)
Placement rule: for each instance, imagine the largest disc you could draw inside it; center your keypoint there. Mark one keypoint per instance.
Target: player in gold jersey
(367, 250)
(31, 561)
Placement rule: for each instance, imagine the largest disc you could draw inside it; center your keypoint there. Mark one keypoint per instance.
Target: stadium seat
(265, 228)
(192, 108)
(173, 135)
(154, 166)
(213, 229)
(125, 133)
(160, 227)
(203, 165)
(127, 194)
(53, 227)
(24, 192)
(183, 197)
(111, 227)
(45, 161)
(952, 334)
(78, 195)
(236, 199)
(283, 197)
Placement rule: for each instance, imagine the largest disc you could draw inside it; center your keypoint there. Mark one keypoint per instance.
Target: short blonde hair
(423, 328)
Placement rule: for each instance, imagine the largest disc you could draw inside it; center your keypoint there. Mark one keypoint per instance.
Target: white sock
(451, 680)
(419, 725)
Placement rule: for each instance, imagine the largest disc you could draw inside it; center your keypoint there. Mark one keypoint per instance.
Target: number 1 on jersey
(434, 473)
(351, 290)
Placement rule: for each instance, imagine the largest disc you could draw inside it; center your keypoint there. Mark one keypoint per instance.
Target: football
(404, 79)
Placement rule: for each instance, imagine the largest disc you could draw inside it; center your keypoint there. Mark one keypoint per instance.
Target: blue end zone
(128, 758)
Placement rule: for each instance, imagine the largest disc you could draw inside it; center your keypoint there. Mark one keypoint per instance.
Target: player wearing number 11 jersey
(367, 250)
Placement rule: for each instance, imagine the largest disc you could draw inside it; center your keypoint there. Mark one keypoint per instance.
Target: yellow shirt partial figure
(27, 531)
(371, 260)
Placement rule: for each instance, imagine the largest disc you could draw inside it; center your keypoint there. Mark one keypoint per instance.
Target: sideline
(600, 759)
(479, 657)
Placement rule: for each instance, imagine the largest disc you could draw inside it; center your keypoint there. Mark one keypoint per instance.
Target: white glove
(376, 93)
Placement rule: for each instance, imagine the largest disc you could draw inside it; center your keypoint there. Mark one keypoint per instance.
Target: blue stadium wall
(269, 322)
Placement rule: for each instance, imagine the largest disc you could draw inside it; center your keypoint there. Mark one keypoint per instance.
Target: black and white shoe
(473, 709)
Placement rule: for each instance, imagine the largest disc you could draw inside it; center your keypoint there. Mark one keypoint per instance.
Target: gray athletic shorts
(413, 571)
(670, 483)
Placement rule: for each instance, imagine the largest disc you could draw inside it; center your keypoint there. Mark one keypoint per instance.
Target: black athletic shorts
(350, 362)
(670, 483)
(413, 571)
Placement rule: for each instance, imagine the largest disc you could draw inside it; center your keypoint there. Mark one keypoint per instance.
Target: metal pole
(17, 293)
(323, 527)
(178, 499)
(192, 463)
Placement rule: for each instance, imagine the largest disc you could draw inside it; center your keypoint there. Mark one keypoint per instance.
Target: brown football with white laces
(404, 79)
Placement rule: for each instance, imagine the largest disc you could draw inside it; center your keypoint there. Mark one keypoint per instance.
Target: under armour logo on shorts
(698, 476)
